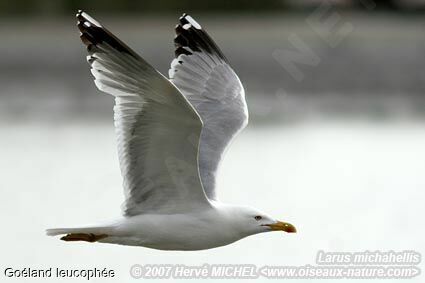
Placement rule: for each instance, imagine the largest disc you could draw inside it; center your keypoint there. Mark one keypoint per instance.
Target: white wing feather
(157, 129)
(203, 75)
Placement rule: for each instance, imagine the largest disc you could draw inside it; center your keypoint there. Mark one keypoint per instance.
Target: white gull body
(171, 134)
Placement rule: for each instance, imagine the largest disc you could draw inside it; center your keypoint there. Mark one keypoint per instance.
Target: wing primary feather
(92, 33)
(189, 34)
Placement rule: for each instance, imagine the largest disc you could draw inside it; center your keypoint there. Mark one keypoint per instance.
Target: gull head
(252, 221)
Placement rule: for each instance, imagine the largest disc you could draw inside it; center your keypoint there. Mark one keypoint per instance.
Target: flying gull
(171, 135)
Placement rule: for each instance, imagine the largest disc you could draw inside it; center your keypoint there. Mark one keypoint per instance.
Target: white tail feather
(88, 230)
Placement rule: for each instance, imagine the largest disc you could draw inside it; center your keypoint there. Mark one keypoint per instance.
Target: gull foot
(83, 237)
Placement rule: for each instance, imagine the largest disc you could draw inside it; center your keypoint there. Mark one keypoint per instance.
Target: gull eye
(258, 217)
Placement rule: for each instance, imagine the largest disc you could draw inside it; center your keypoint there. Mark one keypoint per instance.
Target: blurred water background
(340, 153)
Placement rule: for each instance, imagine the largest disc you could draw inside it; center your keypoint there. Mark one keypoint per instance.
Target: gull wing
(203, 75)
(157, 129)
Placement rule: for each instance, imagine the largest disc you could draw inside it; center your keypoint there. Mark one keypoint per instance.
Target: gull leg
(90, 237)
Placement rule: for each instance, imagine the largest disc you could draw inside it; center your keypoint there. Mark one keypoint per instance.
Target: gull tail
(86, 234)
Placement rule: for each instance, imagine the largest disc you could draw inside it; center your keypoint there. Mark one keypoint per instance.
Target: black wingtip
(81, 19)
(93, 33)
(191, 37)
(80, 15)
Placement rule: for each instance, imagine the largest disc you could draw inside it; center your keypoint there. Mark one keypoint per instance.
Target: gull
(171, 137)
